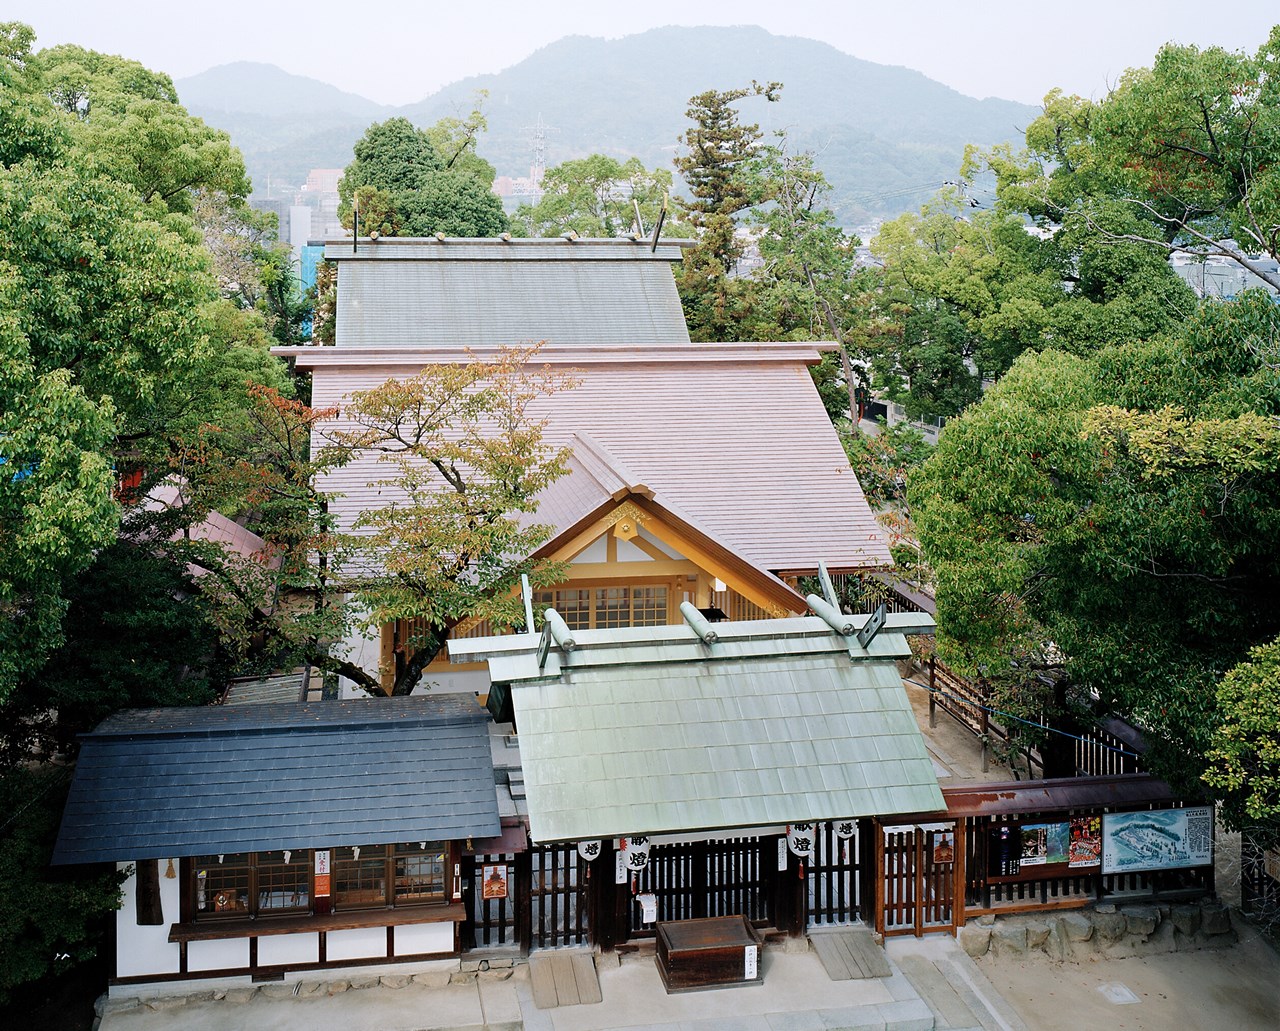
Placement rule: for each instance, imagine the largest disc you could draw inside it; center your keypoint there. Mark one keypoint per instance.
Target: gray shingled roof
(159, 783)
(474, 293)
(649, 731)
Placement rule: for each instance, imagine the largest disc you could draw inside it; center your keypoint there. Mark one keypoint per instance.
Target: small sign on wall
(322, 871)
(751, 962)
(620, 872)
(495, 881)
(782, 853)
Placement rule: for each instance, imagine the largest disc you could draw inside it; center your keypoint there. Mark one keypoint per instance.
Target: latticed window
(283, 881)
(595, 608)
(360, 876)
(420, 872)
(221, 884)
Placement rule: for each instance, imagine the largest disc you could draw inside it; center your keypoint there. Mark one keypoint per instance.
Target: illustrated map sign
(1163, 839)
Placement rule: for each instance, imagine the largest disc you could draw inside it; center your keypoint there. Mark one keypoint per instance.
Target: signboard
(494, 884)
(1004, 849)
(322, 872)
(751, 964)
(1162, 839)
(1044, 843)
(942, 847)
(1271, 863)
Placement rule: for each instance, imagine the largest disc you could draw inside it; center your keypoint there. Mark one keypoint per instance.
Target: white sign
(1159, 839)
(751, 961)
(620, 873)
(782, 853)
(648, 906)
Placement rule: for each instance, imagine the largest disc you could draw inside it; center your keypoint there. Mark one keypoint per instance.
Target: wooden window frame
(191, 913)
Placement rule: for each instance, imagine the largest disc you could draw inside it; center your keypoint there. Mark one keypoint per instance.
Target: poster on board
(1086, 841)
(1044, 843)
(1162, 839)
(495, 881)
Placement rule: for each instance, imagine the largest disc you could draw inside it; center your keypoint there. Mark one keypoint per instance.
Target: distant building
(1220, 277)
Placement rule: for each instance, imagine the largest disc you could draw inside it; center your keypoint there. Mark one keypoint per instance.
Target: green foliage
(51, 919)
(1244, 757)
(718, 171)
(1111, 522)
(419, 182)
(594, 197)
(128, 122)
(883, 460)
(968, 293)
(114, 343)
(460, 443)
(1186, 150)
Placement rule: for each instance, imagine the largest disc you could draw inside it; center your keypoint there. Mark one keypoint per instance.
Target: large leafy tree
(597, 196)
(407, 181)
(1180, 156)
(1104, 528)
(967, 291)
(462, 446)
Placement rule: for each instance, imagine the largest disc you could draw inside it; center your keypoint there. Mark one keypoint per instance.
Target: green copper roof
(633, 736)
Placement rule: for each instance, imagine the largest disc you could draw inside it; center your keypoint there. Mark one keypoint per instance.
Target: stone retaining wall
(1113, 931)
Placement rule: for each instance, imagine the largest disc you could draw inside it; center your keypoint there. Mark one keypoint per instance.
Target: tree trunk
(417, 664)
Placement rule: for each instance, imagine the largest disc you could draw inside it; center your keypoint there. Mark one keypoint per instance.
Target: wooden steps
(565, 978)
(850, 953)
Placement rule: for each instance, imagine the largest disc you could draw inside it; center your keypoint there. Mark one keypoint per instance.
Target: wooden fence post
(933, 697)
(524, 900)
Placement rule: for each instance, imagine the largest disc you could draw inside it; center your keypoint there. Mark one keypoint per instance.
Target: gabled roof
(648, 730)
(732, 435)
(159, 783)
(464, 293)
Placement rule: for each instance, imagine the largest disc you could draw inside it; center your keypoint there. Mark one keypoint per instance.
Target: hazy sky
(400, 52)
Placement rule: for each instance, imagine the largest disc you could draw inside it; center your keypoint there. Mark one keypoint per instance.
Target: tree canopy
(407, 181)
(1104, 528)
(596, 196)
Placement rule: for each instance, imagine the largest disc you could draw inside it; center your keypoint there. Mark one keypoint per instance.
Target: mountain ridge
(879, 130)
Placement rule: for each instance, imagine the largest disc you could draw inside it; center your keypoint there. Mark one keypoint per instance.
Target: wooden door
(918, 866)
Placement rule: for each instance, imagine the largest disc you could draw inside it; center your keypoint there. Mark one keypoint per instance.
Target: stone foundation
(1101, 931)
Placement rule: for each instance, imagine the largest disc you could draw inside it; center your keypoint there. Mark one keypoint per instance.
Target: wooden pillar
(524, 900)
(868, 872)
(150, 911)
(467, 929)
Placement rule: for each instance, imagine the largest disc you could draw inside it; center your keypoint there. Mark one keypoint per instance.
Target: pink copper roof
(734, 436)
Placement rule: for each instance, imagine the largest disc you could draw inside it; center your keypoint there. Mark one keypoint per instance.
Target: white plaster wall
(593, 552)
(146, 950)
(662, 546)
(221, 954)
(415, 939)
(288, 948)
(357, 943)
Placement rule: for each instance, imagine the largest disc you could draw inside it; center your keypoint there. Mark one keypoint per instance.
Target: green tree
(1186, 149)
(717, 168)
(461, 444)
(405, 186)
(51, 919)
(595, 197)
(1104, 527)
(1244, 754)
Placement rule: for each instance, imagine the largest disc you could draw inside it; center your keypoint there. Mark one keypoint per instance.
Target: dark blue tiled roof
(159, 783)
